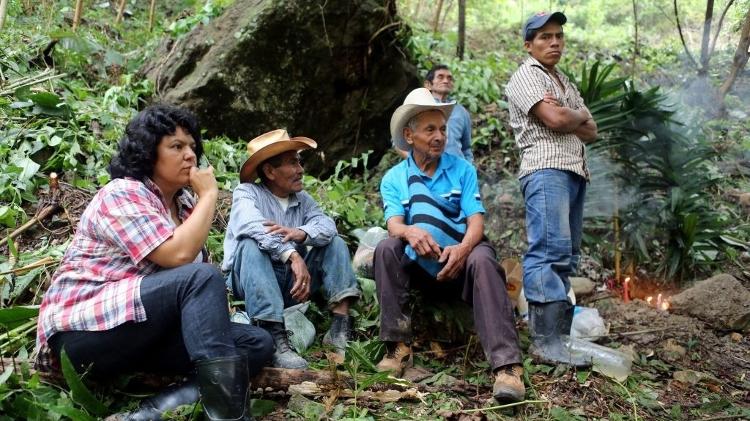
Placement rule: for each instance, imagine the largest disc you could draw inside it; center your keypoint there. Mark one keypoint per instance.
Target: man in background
(439, 81)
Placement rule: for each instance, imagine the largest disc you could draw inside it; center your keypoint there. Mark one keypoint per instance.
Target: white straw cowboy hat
(269, 145)
(418, 101)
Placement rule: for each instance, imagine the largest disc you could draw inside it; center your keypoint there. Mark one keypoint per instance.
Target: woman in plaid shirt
(134, 292)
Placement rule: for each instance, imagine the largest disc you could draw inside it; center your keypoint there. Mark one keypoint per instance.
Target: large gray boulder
(334, 71)
(721, 301)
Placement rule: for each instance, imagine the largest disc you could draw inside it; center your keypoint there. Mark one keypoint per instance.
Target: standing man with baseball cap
(435, 220)
(271, 225)
(551, 125)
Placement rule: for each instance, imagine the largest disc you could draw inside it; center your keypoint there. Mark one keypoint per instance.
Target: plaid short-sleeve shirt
(97, 286)
(540, 146)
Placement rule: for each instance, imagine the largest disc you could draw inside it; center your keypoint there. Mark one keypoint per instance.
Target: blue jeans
(265, 284)
(554, 225)
(187, 321)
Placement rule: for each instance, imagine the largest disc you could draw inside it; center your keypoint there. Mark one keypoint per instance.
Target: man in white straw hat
(265, 249)
(435, 220)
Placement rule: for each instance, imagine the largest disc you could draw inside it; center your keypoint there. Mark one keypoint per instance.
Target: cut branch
(120, 11)
(77, 14)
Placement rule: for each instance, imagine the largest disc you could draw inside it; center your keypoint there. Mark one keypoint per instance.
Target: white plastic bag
(368, 240)
(588, 324)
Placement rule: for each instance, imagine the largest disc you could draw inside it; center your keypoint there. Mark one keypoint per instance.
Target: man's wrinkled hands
(422, 242)
(454, 258)
(301, 289)
(290, 234)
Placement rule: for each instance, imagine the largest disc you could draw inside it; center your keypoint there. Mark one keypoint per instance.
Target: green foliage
(345, 197)
(78, 391)
(671, 224)
(184, 25)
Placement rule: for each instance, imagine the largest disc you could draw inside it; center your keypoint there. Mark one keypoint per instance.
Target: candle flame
(627, 279)
(649, 299)
(665, 305)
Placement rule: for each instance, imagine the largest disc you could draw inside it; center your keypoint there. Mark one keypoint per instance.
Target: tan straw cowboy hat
(418, 101)
(269, 145)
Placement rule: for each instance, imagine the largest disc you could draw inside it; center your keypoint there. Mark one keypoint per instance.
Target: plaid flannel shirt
(97, 286)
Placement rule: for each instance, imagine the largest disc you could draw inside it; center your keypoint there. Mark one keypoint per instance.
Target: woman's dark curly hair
(136, 155)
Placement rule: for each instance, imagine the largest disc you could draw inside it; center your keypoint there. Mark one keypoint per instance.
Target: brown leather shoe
(508, 385)
(398, 358)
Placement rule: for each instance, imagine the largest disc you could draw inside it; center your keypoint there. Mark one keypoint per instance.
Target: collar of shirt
(444, 165)
(184, 204)
(293, 199)
(531, 61)
(445, 101)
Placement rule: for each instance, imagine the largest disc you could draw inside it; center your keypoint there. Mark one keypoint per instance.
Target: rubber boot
(224, 384)
(548, 322)
(154, 407)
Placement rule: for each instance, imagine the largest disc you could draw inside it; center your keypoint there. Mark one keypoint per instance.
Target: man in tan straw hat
(435, 220)
(265, 249)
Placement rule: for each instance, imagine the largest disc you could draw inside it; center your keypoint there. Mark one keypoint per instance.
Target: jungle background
(668, 205)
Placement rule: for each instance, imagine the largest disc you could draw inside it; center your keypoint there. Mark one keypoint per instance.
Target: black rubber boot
(170, 398)
(547, 322)
(224, 384)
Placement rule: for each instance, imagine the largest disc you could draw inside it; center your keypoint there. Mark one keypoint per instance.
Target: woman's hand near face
(188, 238)
(203, 182)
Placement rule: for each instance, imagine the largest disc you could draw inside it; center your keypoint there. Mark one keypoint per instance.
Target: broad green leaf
(28, 169)
(14, 316)
(78, 391)
(261, 407)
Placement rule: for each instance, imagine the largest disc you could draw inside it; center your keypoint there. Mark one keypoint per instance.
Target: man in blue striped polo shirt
(436, 225)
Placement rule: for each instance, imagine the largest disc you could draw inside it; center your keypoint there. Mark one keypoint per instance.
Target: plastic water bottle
(607, 361)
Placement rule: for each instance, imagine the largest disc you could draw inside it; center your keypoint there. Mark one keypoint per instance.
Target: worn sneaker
(283, 355)
(338, 335)
(508, 385)
(398, 358)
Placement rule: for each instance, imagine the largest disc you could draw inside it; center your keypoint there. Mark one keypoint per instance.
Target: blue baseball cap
(540, 19)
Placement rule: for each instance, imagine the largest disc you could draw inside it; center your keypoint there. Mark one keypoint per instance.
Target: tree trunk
(3, 11)
(635, 39)
(741, 56)
(77, 14)
(461, 44)
(705, 56)
(436, 21)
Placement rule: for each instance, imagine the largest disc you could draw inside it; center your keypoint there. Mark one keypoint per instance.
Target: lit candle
(665, 305)
(649, 299)
(658, 301)
(626, 290)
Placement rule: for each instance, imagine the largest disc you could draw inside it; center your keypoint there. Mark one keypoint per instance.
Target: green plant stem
(17, 333)
(630, 398)
(509, 405)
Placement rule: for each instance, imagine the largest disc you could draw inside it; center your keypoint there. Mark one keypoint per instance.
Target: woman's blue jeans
(554, 225)
(265, 285)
